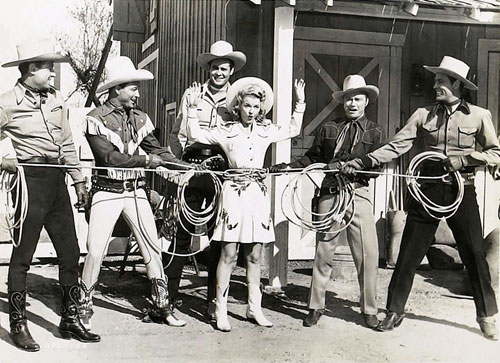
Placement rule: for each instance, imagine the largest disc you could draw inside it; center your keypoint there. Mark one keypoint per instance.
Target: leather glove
(82, 195)
(454, 163)
(352, 166)
(9, 165)
(154, 161)
(278, 167)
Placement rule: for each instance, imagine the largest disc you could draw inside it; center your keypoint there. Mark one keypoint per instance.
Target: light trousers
(362, 239)
(106, 209)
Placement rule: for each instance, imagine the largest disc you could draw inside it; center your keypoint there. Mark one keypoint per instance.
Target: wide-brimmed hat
(355, 84)
(232, 92)
(454, 68)
(222, 49)
(36, 50)
(121, 70)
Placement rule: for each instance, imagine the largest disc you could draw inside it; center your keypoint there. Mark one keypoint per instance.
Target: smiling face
(446, 91)
(127, 95)
(42, 75)
(249, 109)
(220, 71)
(355, 104)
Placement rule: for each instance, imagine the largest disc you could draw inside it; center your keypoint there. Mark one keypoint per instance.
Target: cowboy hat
(121, 70)
(236, 87)
(219, 50)
(454, 68)
(355, 84)
(36, 50)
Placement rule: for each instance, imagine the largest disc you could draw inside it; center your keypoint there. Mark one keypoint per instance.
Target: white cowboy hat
(121, 70)
(355, 84)
(36, 50)
(236, 87)
(454, 68)
(222, 49)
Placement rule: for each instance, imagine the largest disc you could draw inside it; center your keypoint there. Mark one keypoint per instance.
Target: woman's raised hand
(194, 95)
(299, 87)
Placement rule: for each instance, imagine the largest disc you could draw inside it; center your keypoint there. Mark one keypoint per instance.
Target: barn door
(488, 190)
(323, 58)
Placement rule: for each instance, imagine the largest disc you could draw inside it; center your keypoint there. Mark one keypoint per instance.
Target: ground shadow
(455, 281)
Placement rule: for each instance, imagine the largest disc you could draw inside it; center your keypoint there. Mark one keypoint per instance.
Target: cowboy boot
(161, 312)
(85, 309)
(70, 325)
(254, 311)
(19, 331)
(221, 308)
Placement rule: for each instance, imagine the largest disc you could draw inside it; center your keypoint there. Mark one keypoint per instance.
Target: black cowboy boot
(162, 312)
(19, 324)
(71, 326)
(85, 310)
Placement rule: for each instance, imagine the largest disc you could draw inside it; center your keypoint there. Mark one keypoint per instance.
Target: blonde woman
(245, 204)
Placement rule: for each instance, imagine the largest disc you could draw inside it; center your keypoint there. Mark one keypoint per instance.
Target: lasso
(16, 194)
(15, 185)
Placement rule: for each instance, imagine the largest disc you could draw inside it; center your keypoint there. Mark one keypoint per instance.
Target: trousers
(136, 210)
(362, 239)
(418, 235)
(49, 206)
(200, 190)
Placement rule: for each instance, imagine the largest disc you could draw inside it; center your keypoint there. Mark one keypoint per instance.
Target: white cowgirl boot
(221, 308)
(254, 311)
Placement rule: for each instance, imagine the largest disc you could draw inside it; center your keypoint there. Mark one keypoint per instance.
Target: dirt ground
(440, 323)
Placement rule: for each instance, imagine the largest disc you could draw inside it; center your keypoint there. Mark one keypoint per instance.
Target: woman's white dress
(245, 206)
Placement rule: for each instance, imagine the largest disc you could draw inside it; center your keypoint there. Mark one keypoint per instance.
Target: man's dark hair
(24, 67)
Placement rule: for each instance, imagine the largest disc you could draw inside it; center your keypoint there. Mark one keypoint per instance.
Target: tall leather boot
(221, 308)
(71, 326)
(19, 331)
(254, 311)
(161, 312)
(86, 307)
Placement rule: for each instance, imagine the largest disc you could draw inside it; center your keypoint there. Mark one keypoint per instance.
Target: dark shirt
(325, 143)
(123, 139)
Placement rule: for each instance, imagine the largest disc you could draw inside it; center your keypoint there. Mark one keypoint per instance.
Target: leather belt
(44, 160)
(117, 186)
(335, 189)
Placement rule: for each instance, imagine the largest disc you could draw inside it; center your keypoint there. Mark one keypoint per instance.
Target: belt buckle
(333, 190)
(60, 160)
(125, 184)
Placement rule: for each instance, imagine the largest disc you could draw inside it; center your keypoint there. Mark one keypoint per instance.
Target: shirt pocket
(430, 134)
(466, 137)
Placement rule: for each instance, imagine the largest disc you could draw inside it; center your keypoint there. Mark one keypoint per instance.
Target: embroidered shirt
(38, 127)
(211, 112)
(121, 139)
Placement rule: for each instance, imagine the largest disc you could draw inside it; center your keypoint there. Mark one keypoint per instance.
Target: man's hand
(454, 163)
(194, 95)
(336, 165)
(278, 167)
(9, 165)
(352, 166)
(154, 161)
(81, 194)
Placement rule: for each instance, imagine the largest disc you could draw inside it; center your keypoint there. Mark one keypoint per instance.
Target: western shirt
(38, 127)
(123, 139)
(455, 134)
(326, 139)
(211, 111)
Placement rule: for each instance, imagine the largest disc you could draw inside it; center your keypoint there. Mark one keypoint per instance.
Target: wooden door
(488, 190)
(323, 58)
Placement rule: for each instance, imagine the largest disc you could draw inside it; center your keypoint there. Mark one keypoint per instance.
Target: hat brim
(49, 57)
(371, 91)
(137, 76)
(234, 89)
(238, 58)
(467, 84)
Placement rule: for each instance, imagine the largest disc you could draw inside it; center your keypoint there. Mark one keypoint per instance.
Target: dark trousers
(200, 189)
(49, 206)
(418, 235)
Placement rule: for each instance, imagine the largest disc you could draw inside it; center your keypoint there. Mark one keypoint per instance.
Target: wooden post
(282, 85)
